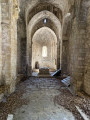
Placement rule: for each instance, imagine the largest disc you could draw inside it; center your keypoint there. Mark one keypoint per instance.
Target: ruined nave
(44, 56)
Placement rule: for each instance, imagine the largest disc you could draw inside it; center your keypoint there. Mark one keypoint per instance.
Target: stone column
(87, 57)
(14, 16)
(9, 43)
(77, 47)
(6, 48)
(65, 54)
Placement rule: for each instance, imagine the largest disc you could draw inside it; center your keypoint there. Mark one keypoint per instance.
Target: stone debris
(68, 101)
(26, 94)
(36, 34)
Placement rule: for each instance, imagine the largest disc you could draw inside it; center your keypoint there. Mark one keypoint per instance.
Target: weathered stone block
(44, 72)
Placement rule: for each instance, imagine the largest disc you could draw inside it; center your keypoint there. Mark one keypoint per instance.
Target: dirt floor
(43, 99)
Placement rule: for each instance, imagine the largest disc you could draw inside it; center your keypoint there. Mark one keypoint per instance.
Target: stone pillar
(9, 43)
(6, 48)
(14, 16)
(77, 47)
(65, 54)
(21, 46)
(87, 57)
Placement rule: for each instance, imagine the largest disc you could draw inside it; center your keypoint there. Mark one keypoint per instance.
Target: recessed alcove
(44, 49)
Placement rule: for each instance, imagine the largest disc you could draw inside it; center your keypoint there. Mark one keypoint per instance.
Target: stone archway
(44, 38)
(31, 30)
(41, 6)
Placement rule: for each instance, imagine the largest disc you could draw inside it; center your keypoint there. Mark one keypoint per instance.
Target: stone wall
(8, 30)
(87, 57)
(79, 57)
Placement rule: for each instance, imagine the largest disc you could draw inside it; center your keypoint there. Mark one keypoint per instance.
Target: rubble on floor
(47, 92)
(69, 101)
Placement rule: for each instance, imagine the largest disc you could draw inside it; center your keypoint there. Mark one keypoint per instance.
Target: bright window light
(44, 51)
(45, 21)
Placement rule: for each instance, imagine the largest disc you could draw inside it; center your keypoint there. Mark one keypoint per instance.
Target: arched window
(45, 21)
(44, 51)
